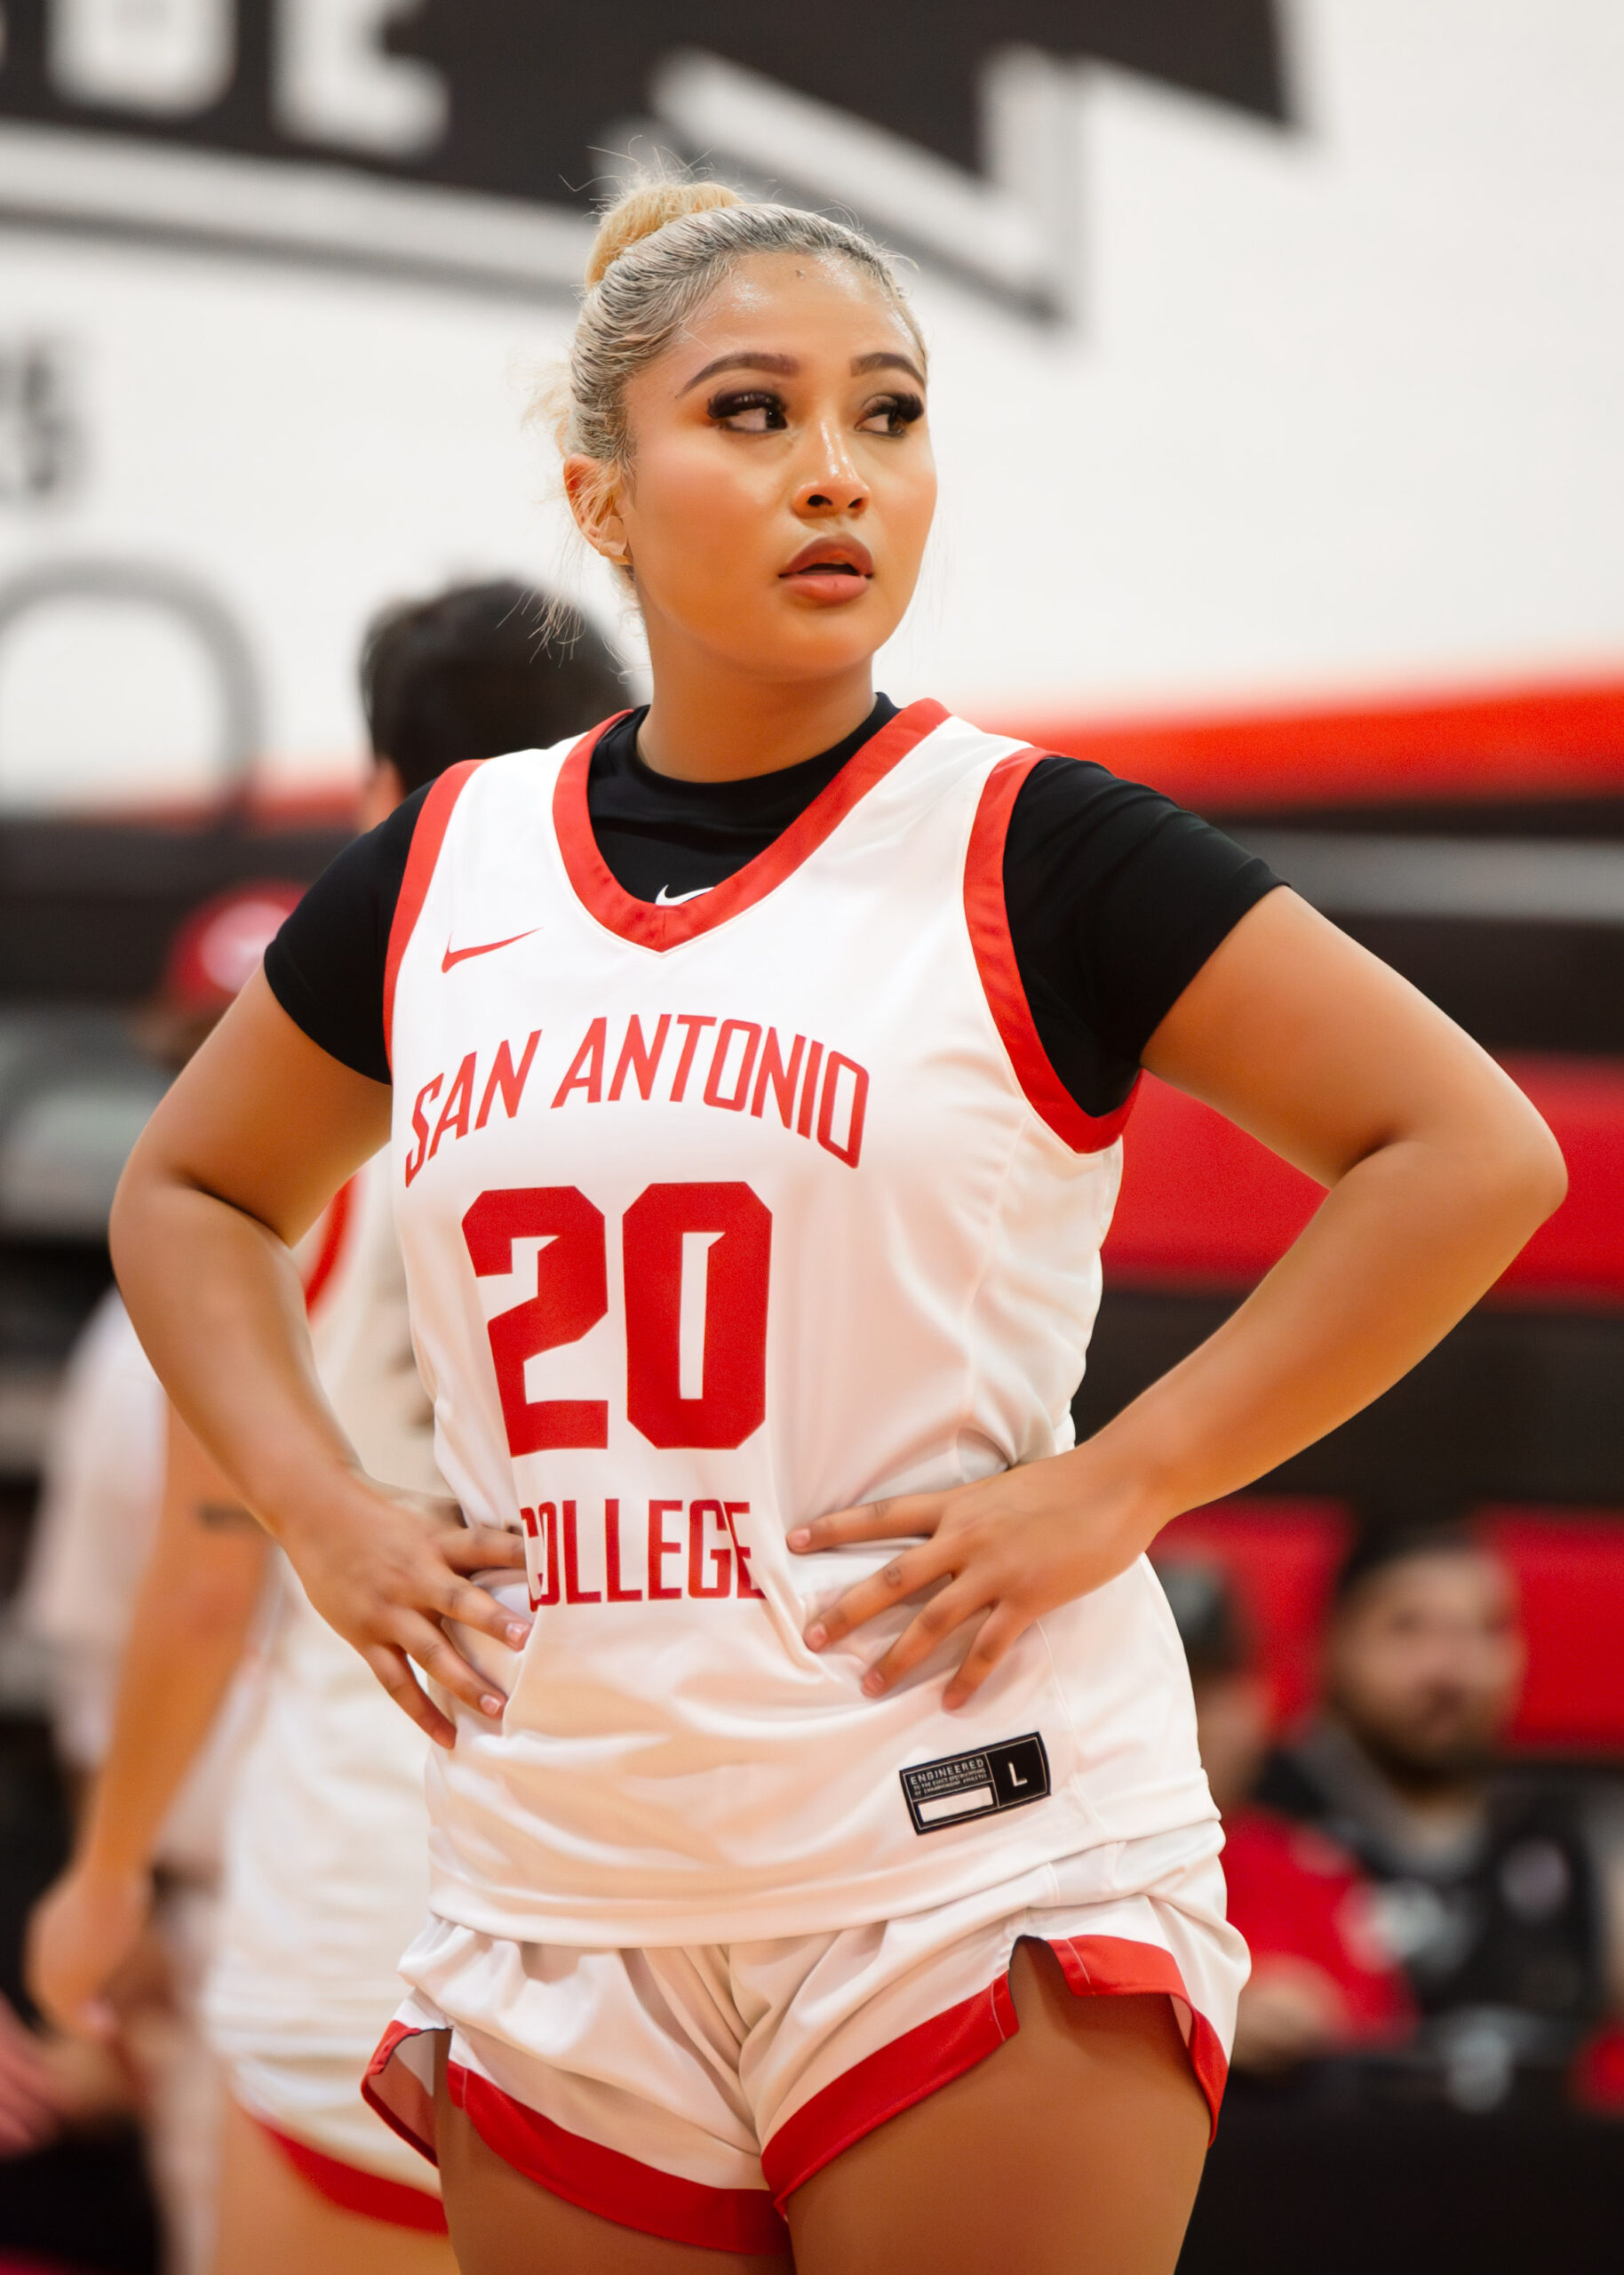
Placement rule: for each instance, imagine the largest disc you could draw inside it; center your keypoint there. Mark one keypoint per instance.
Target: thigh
(1075, 2149)
(271, 2222)
(503, 2223)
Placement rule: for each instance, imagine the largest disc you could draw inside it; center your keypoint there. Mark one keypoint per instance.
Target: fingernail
(516, 1632)
(800, 1536)
(873, 1682)
(493, 1706)
(817, 1635)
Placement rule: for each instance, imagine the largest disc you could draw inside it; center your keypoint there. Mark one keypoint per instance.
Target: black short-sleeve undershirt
(1116, 897)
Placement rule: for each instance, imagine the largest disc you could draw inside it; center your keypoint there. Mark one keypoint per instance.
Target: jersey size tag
(965, 1785)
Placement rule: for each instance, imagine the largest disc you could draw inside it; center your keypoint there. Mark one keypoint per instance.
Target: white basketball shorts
(688, 2090)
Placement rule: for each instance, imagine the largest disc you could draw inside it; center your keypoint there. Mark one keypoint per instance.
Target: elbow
(1553, 1174)
(141, 1224)
(123, 1218)
(1531, 1176)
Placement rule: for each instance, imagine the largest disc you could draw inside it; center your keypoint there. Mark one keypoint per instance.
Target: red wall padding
(1570, 1573)
(1529, 742)
(1203, 1204)
(1281, 1556)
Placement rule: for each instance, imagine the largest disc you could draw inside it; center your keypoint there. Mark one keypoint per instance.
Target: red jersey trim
(988, 918)
(922, 2061)
(427, 839)
(340, 1211)
(371, 2194)
(612, 2185)
(649, 926)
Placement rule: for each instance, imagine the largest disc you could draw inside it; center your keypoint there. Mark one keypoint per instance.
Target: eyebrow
(887, 359)
(752, 359)
(745, 359)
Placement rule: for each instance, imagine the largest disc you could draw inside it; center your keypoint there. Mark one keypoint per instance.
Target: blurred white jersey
(103, 1487)
(326, 1866)
(717, 1216)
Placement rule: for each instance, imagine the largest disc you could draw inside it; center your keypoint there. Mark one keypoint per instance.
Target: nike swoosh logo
(667, 898)
(485, 948)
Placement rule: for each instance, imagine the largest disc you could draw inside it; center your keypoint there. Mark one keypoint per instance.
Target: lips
(832, 557)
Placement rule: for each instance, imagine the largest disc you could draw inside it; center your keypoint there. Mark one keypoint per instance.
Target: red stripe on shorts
(369, 2193)
(1114, 1966)
(615, 2186)
(922, 2061)
(393, 2090)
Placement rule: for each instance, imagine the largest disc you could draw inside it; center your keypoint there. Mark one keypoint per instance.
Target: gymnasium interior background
(1279, 359)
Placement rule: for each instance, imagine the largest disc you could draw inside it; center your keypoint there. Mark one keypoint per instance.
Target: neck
(709, 723)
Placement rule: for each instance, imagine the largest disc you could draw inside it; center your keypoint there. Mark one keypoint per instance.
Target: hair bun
(644, 208)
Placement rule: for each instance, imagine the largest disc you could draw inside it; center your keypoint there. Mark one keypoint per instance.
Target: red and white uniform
(326, 1865)
(718, 1216)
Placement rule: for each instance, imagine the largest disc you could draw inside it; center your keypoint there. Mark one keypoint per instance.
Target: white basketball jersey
(718, 1216)
(326, 1866)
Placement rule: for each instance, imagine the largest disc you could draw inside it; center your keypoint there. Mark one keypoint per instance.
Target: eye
(752, 410)
(891, 414)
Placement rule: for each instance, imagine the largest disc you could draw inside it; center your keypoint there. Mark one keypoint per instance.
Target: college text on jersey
(682, 1057)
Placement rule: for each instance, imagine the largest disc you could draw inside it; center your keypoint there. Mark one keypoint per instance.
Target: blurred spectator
(1321, 1982)
(1491, 1894)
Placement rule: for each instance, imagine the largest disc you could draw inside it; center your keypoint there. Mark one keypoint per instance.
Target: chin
(1436, 1759)
(831, 638)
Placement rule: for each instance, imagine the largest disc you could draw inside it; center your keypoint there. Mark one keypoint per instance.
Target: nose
(832, 484)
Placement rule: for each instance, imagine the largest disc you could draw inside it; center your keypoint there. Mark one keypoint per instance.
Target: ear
(595, 499)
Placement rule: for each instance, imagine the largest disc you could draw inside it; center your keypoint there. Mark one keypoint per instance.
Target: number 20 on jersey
(696, 1259)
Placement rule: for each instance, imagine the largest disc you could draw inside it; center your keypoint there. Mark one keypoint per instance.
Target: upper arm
(1321, 1051)
(262, 1118)
(1115, 898)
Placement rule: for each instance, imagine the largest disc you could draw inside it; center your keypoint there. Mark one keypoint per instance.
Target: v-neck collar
(649, 924)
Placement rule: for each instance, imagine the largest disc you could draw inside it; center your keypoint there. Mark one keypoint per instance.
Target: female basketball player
(823, 1872)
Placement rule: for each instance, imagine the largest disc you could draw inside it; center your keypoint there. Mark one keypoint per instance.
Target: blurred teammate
(104, 1488)
(1322, 1981)
(326, 1873)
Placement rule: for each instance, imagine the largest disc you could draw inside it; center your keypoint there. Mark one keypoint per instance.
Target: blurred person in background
(326, 1875)
(1492, 1882)
(1322, 1982)
(105, 1480)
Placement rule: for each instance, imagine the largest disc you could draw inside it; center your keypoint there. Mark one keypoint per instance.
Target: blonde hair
(660, 250)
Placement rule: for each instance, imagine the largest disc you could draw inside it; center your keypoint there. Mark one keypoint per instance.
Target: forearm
(191, 1621)
(1401, 1248)
(182, 1655)
(193, 1612)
